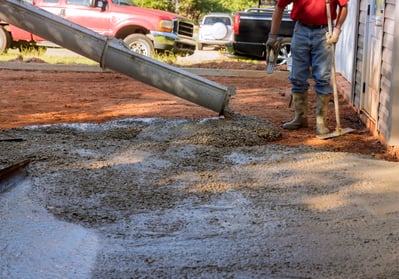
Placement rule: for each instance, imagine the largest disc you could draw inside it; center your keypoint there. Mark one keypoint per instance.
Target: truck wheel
(285, 51)
(141, 44)
(5, 40)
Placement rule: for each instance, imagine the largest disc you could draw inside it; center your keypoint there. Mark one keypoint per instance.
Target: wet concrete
(34, 244)
(157, 198)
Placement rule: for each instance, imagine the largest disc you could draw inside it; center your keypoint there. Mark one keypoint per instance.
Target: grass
(40, 55)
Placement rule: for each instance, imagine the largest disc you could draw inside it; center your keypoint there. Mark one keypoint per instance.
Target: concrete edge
(97, 69)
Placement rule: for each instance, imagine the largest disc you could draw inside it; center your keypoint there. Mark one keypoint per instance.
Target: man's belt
(314, 26)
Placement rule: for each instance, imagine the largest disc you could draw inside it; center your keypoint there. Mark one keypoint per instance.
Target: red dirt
(42, 97)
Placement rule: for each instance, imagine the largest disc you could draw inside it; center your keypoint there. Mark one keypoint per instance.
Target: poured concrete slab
(165, 198)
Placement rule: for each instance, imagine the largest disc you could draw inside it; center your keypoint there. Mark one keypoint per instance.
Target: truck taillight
(236, 25)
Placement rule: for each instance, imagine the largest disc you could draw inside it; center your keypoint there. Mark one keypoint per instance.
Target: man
(311, 50)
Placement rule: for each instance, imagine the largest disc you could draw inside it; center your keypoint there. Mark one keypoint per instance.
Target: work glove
(272, 49)
(272, 43)
(333, 38)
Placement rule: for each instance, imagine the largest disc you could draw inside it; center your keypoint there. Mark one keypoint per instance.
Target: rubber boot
(301, 109)
(322, 102)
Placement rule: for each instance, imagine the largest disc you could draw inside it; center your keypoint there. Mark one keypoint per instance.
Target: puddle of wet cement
(33, 244)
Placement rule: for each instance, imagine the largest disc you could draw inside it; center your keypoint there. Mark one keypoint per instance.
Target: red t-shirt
(312, 11)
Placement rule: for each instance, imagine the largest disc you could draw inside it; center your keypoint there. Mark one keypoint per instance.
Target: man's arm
(342, 13)
(276, 20)
(272, 43)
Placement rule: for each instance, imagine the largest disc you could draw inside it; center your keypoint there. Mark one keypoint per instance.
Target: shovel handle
(333, 71)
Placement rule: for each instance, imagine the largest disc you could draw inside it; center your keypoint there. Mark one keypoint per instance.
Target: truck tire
(140, 43)
(5, 40)
(285, 51)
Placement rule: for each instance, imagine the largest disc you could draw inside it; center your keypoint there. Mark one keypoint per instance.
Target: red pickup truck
(144, 30)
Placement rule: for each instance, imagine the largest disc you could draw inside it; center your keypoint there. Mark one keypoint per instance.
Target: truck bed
(251, 30)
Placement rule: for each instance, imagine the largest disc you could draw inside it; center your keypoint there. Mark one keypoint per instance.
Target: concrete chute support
(113, 54)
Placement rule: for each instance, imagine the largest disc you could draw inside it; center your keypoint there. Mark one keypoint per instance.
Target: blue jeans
(310, 53)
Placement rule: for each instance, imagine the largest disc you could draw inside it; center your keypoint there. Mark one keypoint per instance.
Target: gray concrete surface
(180, 198)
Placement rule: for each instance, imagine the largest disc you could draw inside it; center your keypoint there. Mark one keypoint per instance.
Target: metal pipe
(113, 54)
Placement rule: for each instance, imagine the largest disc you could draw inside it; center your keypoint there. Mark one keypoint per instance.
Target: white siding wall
(390, 80)
(358, 86)
(388, 110)
(393, 137)
(345, 49)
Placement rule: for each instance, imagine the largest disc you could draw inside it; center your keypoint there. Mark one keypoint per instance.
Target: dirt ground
(131, 182)
(36, 97)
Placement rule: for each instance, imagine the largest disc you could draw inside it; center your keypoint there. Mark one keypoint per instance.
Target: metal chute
(113, 54)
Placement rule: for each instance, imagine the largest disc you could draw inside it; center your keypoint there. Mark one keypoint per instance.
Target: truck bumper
(172, 42)
(213, 42)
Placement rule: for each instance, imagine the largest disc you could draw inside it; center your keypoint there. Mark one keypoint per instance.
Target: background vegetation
(195, 9)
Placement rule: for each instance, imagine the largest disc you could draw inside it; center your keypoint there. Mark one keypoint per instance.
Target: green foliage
(196, 9)
(238, 5)
(164, 5)
(190, 9)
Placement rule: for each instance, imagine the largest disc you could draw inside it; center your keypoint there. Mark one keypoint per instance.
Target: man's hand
(333, 38)
(272, 43)
(272, 49)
